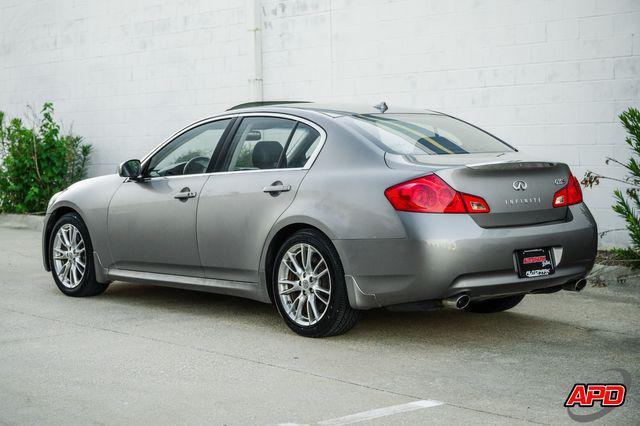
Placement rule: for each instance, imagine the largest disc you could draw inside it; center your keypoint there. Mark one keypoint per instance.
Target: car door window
(301, 147)
(259, 143)
(188, 153)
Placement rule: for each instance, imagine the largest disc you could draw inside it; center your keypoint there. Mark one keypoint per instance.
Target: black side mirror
(130, 169)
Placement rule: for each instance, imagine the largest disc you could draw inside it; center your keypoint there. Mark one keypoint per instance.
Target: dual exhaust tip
(577, 285)
(461, 301)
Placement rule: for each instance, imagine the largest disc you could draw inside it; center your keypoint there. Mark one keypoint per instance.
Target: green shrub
(627, 201)
(37, 161)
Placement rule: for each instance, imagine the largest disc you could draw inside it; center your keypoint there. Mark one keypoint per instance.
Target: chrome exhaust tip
(457, 302)
(575, 285)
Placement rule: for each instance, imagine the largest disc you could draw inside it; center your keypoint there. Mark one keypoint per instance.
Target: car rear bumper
(445, 255)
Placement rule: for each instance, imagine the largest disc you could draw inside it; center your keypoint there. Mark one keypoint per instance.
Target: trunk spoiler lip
(523, 162)
(490, 163)
(394, 161)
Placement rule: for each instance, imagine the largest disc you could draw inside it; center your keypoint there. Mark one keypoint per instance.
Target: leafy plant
(37, 161)
(183, 158)
(627, 201)
(245, 157)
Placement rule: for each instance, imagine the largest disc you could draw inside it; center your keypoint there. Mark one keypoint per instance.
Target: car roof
(332, 110)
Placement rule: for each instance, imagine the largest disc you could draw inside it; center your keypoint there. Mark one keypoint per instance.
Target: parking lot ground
(153, 355)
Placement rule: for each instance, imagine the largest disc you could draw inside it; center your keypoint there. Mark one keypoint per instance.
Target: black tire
(339, 317)
(494, 305)
(88, 286)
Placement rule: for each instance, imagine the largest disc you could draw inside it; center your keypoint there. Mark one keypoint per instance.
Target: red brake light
(569, 195)
(430, 194)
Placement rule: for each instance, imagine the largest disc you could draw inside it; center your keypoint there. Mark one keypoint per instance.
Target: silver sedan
(325, 211)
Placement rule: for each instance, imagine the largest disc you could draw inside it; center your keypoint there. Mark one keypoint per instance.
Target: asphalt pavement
(152, 355)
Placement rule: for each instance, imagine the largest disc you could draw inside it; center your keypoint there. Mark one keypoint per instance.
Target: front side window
(270, 143)
(434, 134)
(188, 153)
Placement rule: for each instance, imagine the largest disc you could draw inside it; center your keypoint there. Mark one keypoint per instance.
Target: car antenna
(382, 107)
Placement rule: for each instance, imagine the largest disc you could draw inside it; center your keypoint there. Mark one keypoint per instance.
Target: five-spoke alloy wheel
(309, 288)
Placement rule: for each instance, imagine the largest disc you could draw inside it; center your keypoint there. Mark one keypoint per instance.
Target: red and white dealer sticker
(534, 259)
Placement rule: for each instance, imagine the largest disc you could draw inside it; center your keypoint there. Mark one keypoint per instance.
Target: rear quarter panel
(343, 193)
(344, 189)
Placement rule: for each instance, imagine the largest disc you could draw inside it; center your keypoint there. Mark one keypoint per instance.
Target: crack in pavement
(264, 363)
(28, 339)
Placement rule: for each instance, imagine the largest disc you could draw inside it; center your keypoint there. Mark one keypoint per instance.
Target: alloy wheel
(69, 255)
(304, 284)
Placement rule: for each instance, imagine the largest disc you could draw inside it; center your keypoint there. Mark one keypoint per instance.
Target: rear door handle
(277, 187)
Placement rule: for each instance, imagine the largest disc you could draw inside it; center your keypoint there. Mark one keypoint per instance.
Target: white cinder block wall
(548, 76)
(124, 73)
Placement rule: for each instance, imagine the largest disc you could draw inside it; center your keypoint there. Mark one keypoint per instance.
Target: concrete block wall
(125, 74)
(549, 76)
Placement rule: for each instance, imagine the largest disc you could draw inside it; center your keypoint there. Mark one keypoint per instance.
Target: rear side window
(259, 143)
(271, 142)
(434, 134)
(301, 147)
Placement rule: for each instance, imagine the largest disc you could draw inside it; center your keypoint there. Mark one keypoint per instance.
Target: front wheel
(71, 258)
(309, 286)
(494, 305)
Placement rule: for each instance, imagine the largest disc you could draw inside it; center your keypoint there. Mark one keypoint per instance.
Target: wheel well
(276, 243)
(55, 215)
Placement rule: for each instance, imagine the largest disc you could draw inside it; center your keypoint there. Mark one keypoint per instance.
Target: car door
(152, 222)
(265, 162)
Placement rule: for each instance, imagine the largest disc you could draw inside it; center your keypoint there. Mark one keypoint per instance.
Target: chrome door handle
(277, 188)
(185, 195)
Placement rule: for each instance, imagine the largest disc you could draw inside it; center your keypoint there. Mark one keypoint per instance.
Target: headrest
(266, 154)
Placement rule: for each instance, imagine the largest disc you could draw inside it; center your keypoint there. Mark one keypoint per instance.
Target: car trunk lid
(519, 191)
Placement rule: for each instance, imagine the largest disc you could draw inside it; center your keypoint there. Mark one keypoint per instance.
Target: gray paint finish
(150, 230)
(437, 261)
(234, 218)
(218, 241)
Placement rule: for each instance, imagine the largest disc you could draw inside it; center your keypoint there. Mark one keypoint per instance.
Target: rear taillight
(570, 194)
(430, 194)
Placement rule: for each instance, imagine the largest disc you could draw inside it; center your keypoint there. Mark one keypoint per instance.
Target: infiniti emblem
(519, 185)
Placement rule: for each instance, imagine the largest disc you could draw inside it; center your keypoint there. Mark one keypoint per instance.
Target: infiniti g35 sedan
(326, 211)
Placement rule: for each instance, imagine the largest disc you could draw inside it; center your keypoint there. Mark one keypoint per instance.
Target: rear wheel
(71, 258)
(494, 305)
(309, 287)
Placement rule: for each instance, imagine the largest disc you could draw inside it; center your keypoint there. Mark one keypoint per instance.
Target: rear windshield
(415, 134)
